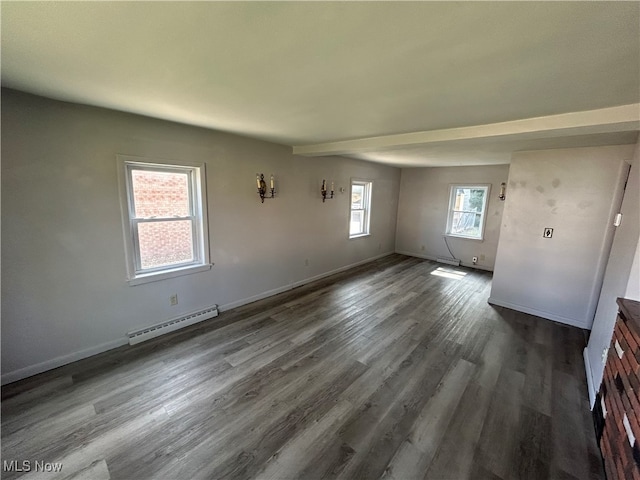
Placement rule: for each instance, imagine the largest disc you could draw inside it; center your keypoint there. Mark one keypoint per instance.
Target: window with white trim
(467, 210)
(164, 218)
(360, 214)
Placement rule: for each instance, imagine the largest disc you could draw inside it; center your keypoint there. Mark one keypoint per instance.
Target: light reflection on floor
(449, 273)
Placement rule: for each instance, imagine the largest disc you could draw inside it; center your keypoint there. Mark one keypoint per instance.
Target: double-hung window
(164, 218)
(467, 209)
(360, 214)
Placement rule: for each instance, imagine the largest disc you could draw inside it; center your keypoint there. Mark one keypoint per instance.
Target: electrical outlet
(474, 260)
(173, 299)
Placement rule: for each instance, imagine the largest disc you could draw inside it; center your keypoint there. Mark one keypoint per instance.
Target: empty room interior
(298, 240)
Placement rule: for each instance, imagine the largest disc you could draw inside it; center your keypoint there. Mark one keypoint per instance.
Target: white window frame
(483, 214)
(366, 204)
(197, 215)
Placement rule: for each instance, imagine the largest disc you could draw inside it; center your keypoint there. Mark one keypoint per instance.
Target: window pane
(467, 224)
(469, 199)
(357, 196)
(160, 194)
(165, 243)
(357, 222)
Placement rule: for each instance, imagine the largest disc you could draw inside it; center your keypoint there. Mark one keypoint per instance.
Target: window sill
(351, 237)
(176, 272)
(450, 235)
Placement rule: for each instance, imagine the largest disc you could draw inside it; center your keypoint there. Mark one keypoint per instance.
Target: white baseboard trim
(253, 298)
(72, 357)
(541, 313)
(338, 270)
(417, 255)
(590, 387)
(477, 267)
(435, 259)
(60, 361)
(291, 286)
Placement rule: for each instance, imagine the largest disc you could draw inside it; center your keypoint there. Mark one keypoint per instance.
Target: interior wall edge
(573, 322)
(590, 388)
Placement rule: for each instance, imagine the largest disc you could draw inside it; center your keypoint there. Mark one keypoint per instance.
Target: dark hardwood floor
(397, 369)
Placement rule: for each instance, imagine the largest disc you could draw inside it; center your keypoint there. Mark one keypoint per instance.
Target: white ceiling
(313, 74)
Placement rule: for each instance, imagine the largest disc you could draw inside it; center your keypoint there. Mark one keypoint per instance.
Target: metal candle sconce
(323, 190)
(262, 187)
(503, 188)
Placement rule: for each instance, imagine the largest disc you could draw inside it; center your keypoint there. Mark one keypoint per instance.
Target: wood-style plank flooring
(397, 369)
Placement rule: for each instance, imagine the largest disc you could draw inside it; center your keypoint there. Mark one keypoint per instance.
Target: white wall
(64, 294)
(572, 191)
(620, 279)
(422, 213)
(633, 285)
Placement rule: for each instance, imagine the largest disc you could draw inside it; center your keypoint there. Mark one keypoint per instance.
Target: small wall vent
(158, 329)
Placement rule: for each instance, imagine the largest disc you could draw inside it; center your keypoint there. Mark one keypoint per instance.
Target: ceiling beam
(604, 120)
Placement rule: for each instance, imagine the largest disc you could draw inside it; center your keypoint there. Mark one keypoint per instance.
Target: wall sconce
(503, 189)
(262, 187)
(323, 190)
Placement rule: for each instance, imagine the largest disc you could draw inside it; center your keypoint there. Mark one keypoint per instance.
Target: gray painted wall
(633, 285)
(64, 294)
(620, 279)
(422, 213)
(573, 191)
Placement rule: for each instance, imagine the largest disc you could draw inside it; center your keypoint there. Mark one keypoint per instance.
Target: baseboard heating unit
(449, 261)
(158, 329)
